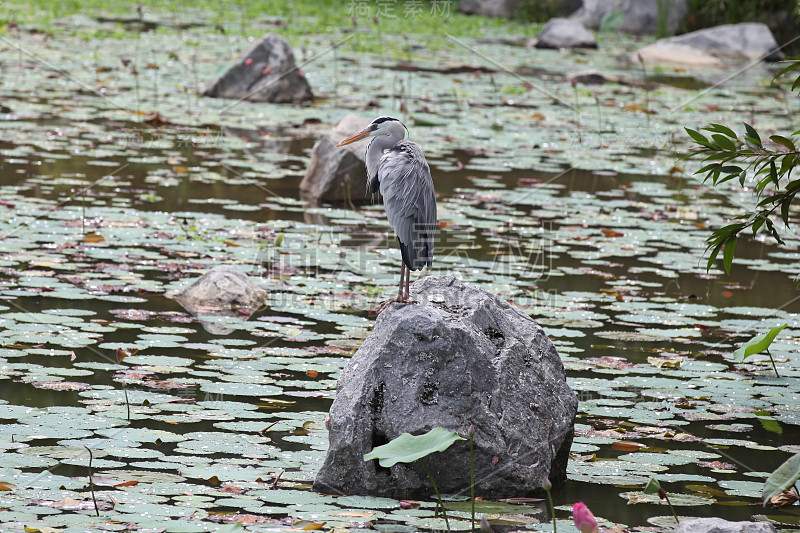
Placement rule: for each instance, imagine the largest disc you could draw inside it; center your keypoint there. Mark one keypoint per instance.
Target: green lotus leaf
(782, 478)
(407, 448)
(757, 344)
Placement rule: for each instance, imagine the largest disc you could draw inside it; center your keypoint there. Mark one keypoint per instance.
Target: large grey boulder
(712, 46)
(337, 175)
(222, 291)
(461, 357)
(718, 525)
(266, 72)
(640, 17)
(564, 33)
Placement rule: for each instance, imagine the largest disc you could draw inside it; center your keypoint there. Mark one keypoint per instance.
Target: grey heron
(397, 169)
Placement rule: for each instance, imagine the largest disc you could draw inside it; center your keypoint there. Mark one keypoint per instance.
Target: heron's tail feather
(418, 253)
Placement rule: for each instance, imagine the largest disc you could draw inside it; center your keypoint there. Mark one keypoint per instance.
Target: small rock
(222, 291)
(461, 357)
(711, 46)
(718, 525)
(564, 33)
(266, 72)
(337, 175)
(640, 17)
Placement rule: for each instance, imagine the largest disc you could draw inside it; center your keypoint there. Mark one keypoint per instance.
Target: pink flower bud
(546, 485)
(583, 518)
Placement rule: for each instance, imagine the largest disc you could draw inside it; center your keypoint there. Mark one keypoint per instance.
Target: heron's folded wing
(407, 189)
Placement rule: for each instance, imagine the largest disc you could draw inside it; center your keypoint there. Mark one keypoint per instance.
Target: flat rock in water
(266, 72)
(564, 33)
(718, 525)
(222, 291)
(712, 46)
(337, 175)
(461, 357)
(640, 17)
(669, 53)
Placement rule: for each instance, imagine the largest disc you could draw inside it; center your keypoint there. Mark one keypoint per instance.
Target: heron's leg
(403, 270)
(408, 282)
(399, 297)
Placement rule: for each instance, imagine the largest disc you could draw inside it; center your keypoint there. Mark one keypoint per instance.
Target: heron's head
(379, 126)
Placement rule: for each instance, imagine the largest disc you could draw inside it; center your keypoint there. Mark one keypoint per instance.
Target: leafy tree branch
(728, 156)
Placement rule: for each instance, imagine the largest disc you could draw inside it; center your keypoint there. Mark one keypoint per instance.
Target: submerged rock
(711, 46)
(337, 175)
(718, 525)
(266, 72)
(564, 33)
(222, 291)
(461, 357)
(640, 17)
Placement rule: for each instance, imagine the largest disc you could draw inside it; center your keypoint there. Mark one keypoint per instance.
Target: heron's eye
(374, 127)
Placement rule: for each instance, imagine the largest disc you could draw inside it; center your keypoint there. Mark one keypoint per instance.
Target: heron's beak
(363, 134)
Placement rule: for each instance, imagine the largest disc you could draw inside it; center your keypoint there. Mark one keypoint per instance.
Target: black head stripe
(381, 120)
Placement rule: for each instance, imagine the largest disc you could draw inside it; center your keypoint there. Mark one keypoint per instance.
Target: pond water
(570, 202)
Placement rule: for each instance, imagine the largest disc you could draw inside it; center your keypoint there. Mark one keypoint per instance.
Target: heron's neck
(377, 146)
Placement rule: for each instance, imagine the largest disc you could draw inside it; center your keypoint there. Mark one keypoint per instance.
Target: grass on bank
(245, 17)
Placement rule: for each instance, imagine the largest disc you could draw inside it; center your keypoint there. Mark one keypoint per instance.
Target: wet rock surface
(564, 33)
(265, 72)
(640, 17)
(222, 291)
(337, 174)
(714, 46)
(461, 357)
(718, 525)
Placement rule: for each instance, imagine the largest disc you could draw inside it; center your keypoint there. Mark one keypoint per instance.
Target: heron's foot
(387, 303)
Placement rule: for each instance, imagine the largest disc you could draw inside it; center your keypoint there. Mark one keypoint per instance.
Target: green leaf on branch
(724, 142)
(719, 128)
(756, 345)
(793, 64)
(757, 223)
(780, 139)
(698, 137)
(787, 163)
(752, 135)
(773, 173)
(727, 256)
(407, 448)
(785, 204)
